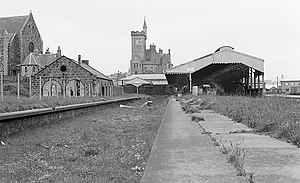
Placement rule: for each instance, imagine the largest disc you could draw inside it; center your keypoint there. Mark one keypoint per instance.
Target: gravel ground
(108, 145)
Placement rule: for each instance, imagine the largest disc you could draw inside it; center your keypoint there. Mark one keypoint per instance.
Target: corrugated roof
(219, 57)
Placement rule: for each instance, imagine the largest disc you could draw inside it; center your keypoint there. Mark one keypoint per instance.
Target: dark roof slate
(13, 24)
(41, 60)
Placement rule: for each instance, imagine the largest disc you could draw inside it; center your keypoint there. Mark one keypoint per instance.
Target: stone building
(19, 36)
(70, 78)
(36, 61)
(147, 61)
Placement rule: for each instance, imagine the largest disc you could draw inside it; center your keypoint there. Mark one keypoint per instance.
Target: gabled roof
(223, 55)
(41, 60)
(13, 24)
(155, 79)
(92, 70)
(137, 81)
(147, 77)
(85, 67)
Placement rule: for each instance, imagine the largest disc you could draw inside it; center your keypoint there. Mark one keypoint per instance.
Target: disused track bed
(107, 145)
(17, 121)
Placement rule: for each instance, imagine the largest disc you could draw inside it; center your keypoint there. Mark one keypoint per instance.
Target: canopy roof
(138, 81)
(155, 79)
(223, 55)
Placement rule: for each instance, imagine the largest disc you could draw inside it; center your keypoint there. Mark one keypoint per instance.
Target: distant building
(147, 61)
(19, 36)
(150, 84)
(36, 61)
(290, 86)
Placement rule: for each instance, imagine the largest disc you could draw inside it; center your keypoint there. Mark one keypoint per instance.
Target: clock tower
(138, 48)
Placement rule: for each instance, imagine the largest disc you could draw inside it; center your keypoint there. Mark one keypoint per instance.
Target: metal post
(2, 86)
(89, 89)
(259, 91)
(40, 88)
(191, 82)
(277, 86)
(75, 89)
(50, 88)
(57, 89)
(263, 82)
(254, 80)
(30, 87)
(18, 86)
(64, 89)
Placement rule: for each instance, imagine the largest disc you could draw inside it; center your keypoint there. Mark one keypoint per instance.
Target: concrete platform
(183, 153)
(272, 160)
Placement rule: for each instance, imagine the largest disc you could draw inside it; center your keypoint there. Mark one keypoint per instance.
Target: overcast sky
(99, 30)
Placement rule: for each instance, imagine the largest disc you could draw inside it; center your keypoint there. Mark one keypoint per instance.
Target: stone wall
(30, 34)
(4, 40)
(90, 85)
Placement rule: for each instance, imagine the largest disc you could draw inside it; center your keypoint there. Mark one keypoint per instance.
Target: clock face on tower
(31, 46)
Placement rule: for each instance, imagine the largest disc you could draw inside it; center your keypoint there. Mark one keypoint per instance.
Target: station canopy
(225, 67)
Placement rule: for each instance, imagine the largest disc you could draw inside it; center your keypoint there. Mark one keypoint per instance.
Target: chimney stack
(79, 59)
(160, 51)
(86, 62)
(58, 54)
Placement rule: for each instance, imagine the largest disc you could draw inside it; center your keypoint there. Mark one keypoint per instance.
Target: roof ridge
(15, 16)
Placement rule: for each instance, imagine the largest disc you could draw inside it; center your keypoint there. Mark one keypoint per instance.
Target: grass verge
(11, 104)
(278, 117)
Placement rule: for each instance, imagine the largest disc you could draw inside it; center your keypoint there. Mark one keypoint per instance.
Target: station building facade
(71, 78)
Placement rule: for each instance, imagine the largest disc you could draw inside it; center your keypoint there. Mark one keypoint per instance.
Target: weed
(216, 143)
(278, 117)
(250, 176)
(235, 155)
(197, 118)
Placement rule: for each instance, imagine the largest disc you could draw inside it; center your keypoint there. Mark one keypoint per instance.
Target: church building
(147, 61)
(19, 36)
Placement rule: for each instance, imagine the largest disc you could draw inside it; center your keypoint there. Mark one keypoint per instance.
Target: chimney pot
(86, 62)
(79, 59)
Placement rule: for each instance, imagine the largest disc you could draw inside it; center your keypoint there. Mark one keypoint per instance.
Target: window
(286, 84)
(292, 83)
(25, 69)
(135, 65)
(33, 69)
(31, 46)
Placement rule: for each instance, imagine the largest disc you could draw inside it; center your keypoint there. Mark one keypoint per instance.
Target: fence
(18, 86)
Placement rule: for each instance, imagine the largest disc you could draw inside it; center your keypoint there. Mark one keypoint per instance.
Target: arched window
(25, 69)
(31, 47)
